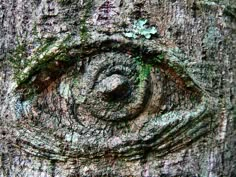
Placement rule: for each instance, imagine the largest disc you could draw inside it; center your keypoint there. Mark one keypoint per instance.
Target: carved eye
(109, 88)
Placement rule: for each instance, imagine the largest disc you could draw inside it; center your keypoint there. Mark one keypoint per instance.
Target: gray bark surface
(117, 88)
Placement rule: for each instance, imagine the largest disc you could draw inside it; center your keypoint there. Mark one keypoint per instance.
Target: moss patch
(144, 70)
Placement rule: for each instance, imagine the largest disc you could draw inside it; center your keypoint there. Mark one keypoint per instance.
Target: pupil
(114, 88)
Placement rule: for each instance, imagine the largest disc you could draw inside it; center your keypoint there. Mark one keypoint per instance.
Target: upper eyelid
(73, 48)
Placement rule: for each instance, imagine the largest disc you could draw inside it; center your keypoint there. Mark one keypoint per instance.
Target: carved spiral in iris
(111, 88)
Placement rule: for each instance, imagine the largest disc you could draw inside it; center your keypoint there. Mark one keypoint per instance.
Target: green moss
(83, 31)
(84, 34)
(158, 59)
(64, 2)
(16, 57)
(25, 66)
(144, 70)
(230, 11)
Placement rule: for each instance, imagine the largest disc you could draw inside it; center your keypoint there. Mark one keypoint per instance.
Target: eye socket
(114, 83)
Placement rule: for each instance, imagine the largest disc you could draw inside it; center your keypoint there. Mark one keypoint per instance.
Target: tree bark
(117, 88)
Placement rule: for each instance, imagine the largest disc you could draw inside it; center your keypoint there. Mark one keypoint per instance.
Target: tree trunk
(117, 88)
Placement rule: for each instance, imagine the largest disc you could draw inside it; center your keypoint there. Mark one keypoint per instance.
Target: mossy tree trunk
(117, 88)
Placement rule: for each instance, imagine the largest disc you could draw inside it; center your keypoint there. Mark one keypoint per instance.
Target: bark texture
(117, 88)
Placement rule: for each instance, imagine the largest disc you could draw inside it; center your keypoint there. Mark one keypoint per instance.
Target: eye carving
(114, 95)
